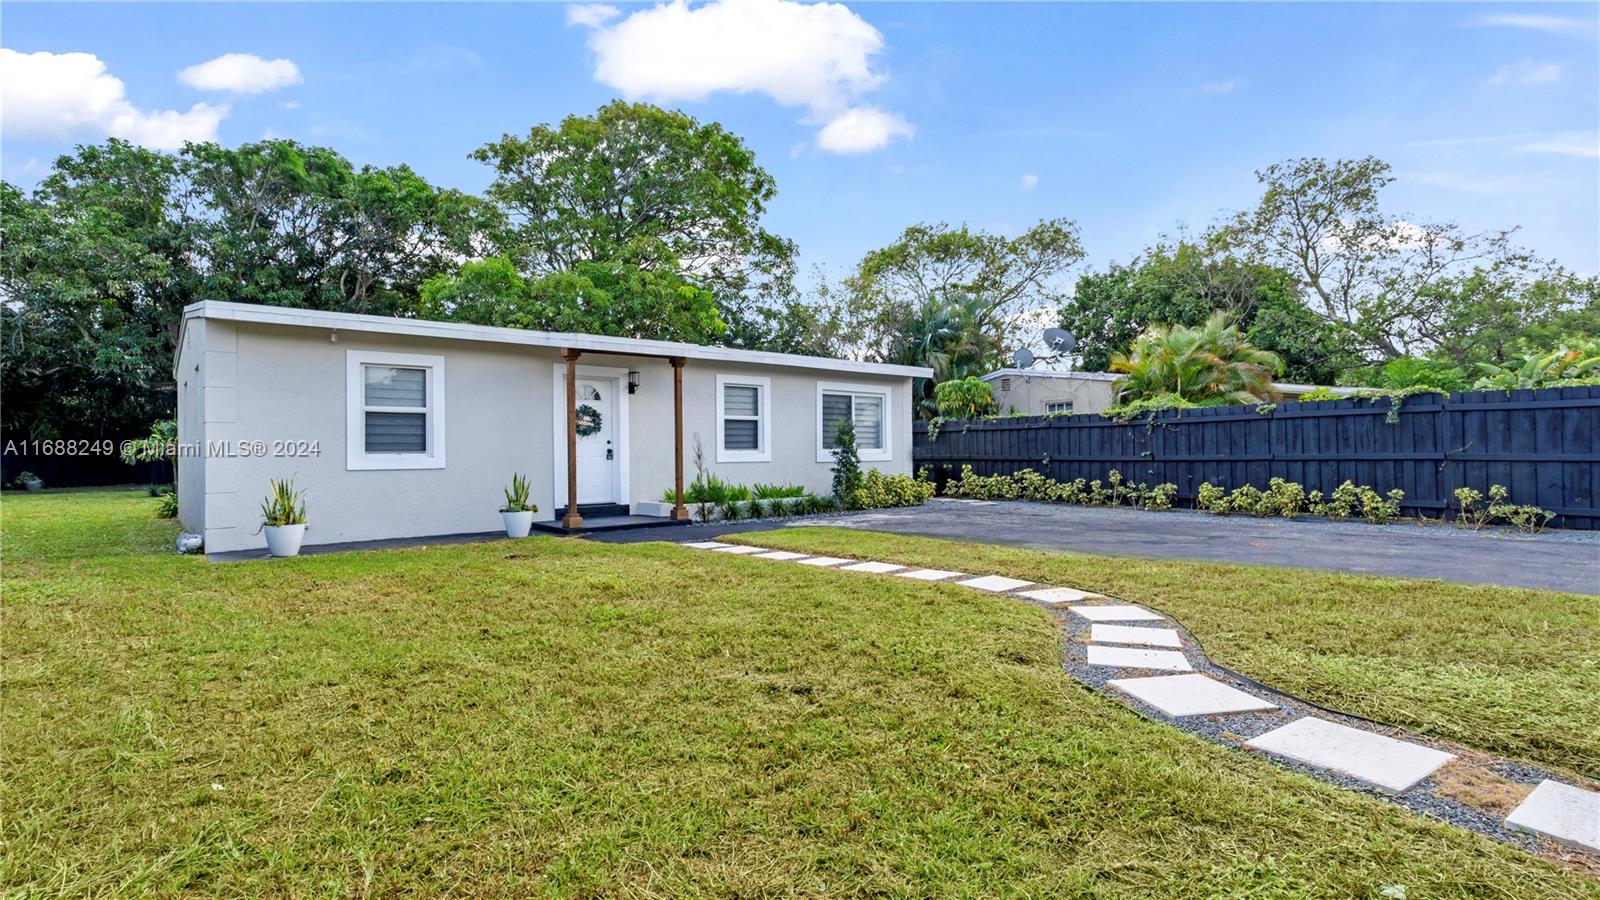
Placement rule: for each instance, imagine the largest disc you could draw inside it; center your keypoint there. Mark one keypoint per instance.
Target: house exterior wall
(190, 466)
(1031, 394)
(259, 385)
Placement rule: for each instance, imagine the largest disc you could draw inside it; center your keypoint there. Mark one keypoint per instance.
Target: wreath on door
(588, 420)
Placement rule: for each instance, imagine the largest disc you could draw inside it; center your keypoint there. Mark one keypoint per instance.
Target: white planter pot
(518, 524)
(285, 540)
(33, 485)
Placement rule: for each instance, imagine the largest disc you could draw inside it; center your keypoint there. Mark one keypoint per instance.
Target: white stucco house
(399, 428)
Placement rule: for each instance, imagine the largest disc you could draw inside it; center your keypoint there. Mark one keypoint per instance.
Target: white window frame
(1050, 412)
(885, 454)
(356, 455)
(763, 386)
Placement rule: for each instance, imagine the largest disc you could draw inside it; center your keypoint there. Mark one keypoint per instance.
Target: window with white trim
(395, 410)
(744, 424)
(865, 406)
(1059, 406)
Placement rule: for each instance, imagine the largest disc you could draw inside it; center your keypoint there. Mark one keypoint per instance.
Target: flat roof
(461, 331)
(1050, 373)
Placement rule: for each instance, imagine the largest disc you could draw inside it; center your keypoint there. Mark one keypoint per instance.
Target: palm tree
(945, 335)
(1209, 364)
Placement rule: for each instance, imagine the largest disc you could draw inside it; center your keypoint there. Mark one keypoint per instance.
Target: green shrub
(771, 491)
(1157, 498)
(846, 465)
(1246, 499)
(167, 503)
(1378, 509)
(731, 510)
(878, 490)
(1212, 499)
(1283, 498)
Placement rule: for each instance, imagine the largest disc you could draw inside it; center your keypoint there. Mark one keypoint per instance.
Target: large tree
(289, 225)
(95, 268)
(1398, 286)
(1183, 283)
(1005, 279)
(98, 262)
(635, 184)
(593, 297)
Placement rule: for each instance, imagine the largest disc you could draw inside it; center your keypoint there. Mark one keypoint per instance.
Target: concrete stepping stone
(928, 574)
(1373, 758)
(1129, 634)
(1137, 658)
(996, 583)
(1116, 613)
(739, 549)
(878, 568)
(1561, 811)
(707, 545)
(780, 554)
(1059, 596)
(1190, 695)
(823, 561)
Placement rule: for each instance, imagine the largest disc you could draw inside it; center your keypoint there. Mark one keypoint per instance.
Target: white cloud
(241, 73)
(1220, 88)
(590, 15)
(862, 129)
(63, 95)
(817, 56)
(1577, 143)
(1551, 24)
(1030, 181)
(1526, 72)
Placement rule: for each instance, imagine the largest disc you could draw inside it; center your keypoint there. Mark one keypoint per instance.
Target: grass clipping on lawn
(570, 717)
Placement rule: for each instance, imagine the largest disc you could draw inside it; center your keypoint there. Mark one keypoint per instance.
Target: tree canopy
(1184, 283)
(1210, 363)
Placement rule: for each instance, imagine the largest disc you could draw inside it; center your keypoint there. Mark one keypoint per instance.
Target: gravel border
(1233, 729)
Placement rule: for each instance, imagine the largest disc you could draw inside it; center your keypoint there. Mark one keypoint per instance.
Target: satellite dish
(1023, 357)
(1060, 340)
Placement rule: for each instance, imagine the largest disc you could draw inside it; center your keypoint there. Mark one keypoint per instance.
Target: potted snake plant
(283, 518)
(518, 512)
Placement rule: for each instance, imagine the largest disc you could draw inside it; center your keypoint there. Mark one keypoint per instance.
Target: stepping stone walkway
(823, 561)
(1283, 727)
(996, 583)
(1116, 613)
(1373, 758)
(928, 574)
(1059, 596)
(1138, 658)
(1129, 634)
(1190, 695)
(1568, 814)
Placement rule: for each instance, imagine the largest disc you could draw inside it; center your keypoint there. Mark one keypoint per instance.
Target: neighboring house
(408, 428)
(1038, 392)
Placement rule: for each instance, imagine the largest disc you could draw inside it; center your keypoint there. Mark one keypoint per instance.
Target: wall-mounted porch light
(633, 382)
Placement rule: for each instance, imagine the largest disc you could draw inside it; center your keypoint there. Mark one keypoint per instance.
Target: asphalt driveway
(1558, 560)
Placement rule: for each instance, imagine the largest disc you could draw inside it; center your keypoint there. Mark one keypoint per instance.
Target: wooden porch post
(572, 519)
(679, 512)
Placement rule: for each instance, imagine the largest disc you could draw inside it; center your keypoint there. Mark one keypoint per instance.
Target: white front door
(599, 448)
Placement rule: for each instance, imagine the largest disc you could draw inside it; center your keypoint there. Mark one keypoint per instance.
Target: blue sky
(1131, 119)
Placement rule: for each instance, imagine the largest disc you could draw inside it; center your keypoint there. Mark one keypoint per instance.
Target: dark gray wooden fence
(1543, 445)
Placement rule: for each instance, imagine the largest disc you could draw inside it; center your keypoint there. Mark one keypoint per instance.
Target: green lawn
(1509, 670)
(565, 717)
